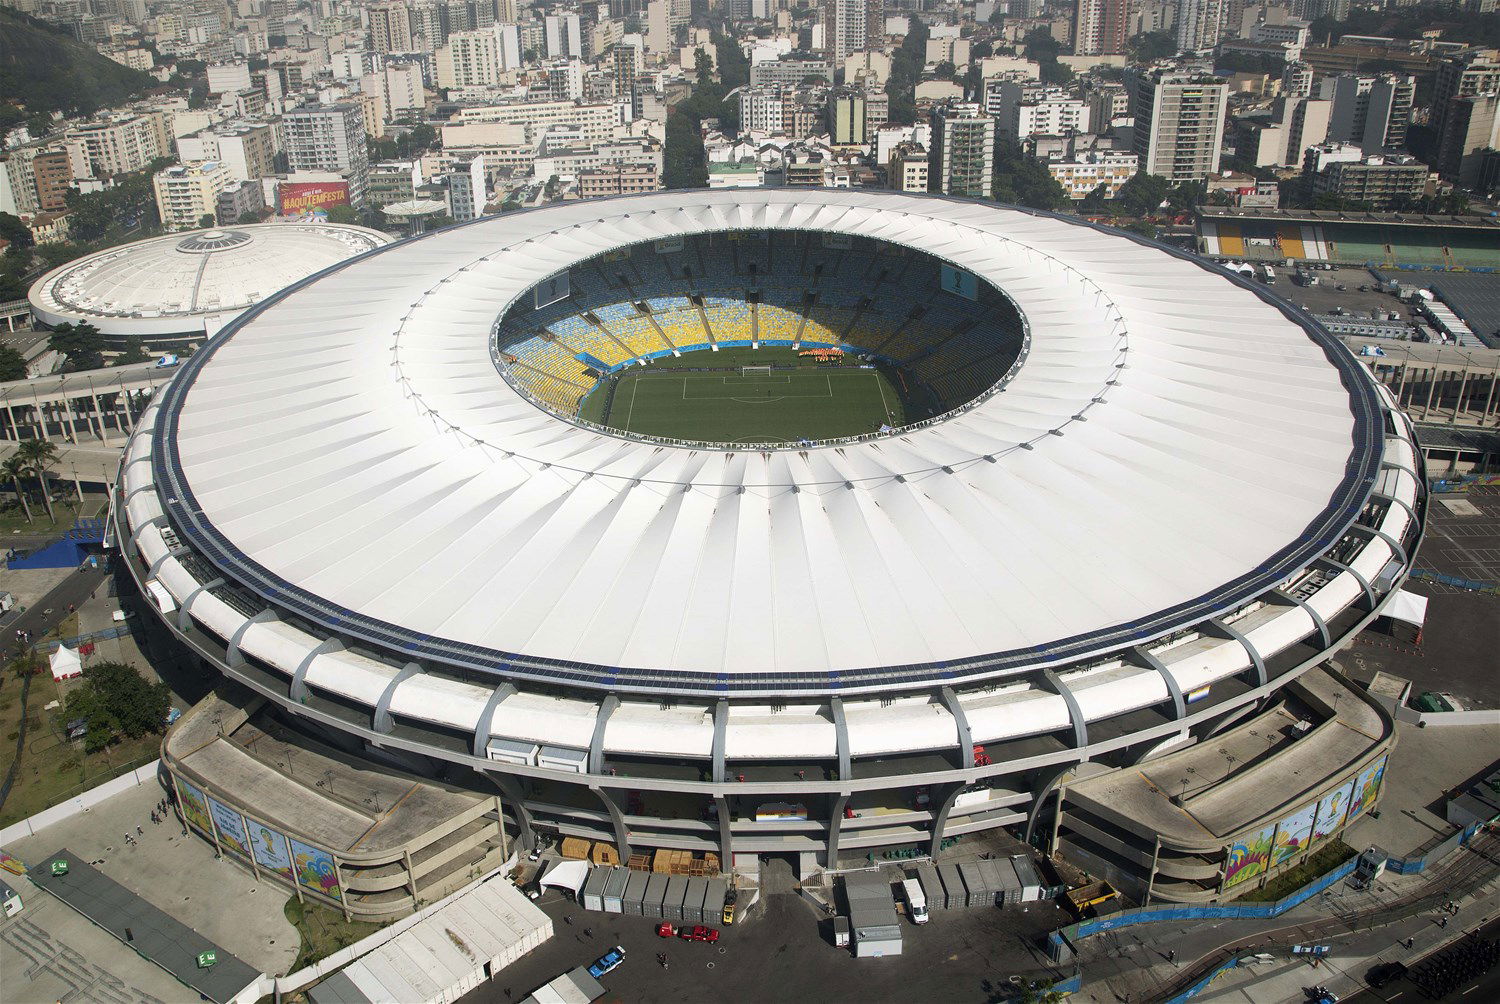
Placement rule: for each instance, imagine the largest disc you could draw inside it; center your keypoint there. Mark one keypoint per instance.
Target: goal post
(748, 371)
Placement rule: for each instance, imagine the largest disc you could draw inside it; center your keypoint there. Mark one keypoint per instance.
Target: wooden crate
(711, 862)
(575, 848)
(604, 854)
(640, 862)
(662, 862)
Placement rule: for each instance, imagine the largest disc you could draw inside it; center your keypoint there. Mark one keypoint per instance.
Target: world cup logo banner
(301, 197)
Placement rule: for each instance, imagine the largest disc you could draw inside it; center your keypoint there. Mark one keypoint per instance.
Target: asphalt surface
(784, 951)
(1480, 990)
(48, 612)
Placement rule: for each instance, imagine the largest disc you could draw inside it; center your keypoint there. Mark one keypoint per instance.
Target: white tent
(1409, 608)
(66, 664)
(568, 875)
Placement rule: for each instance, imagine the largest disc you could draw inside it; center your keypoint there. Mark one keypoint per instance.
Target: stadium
(820, 525)
(183, 287)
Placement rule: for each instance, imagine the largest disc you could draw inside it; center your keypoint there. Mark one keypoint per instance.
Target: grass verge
(323, 930)
(1320, 861)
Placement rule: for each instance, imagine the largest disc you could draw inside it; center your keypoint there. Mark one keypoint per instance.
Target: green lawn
(726, 405)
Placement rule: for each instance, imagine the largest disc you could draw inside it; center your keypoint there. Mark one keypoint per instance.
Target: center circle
(770, 338)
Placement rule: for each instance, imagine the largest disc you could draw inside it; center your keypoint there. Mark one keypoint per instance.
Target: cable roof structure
(1173, 444)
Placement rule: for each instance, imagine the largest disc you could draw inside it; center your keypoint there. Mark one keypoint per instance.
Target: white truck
(916, 901)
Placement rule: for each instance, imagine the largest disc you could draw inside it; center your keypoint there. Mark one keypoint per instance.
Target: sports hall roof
(1175, 443)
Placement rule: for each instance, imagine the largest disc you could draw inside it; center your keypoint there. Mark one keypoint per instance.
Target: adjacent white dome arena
(185, 286)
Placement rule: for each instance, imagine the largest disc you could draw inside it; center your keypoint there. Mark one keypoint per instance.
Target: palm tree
(14, 469)
(40, 456)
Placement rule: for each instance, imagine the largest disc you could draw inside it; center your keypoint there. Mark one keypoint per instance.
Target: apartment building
(186, 193)
(1179, 123)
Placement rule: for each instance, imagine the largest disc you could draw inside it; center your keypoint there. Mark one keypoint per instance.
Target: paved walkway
(178, 874)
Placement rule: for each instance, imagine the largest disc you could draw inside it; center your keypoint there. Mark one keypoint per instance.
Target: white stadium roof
(192, 281)
(1174, 444)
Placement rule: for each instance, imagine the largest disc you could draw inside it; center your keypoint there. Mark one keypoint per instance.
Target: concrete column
(1432, 382)
(41, 415)
(1463, 385)
(617, 817)
(67, 411)
(726, 834)
(512, 792)
(99, 414)
(837, 804)
(15, 430)
(1490, 397)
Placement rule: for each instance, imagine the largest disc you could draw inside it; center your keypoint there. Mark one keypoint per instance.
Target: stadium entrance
(764, 338)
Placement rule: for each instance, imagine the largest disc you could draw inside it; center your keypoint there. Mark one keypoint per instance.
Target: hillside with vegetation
(43, 71)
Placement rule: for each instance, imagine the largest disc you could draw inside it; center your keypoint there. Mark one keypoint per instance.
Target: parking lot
(784, 950)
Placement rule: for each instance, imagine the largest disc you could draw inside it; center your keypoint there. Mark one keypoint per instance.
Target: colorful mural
(1249, 856)
(315, 870)
(270, 849)
(231, 827)
(1293, 834)
(1331, 810)
(1366, 789)
(12, 864)
(194, 806)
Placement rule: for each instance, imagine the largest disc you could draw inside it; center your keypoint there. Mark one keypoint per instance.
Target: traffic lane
(1485, 987)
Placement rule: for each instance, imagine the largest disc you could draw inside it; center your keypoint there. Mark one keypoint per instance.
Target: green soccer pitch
(683, 398)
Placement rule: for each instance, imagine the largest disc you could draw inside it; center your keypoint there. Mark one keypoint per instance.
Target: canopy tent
(66, 664)
(1409, 608)
(569, 875)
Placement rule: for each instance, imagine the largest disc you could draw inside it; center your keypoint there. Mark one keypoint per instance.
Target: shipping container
(592, 896)
(994, 878)
(1010, 883)
(932, 886)
(614, 890)
(975, 883)
(672, 902)
(635, 892)
(692, 902)
(656, 888)
(958, 896)
(563, 758)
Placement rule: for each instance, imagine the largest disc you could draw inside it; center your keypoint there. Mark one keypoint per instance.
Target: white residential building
(186, 193)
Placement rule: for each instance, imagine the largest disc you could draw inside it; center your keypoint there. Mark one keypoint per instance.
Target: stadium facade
(1177, 497)
(184, 287)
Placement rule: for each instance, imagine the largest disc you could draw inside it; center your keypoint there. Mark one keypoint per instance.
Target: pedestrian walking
(140, 832)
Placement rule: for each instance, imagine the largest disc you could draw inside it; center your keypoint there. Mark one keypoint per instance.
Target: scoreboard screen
(960, 283)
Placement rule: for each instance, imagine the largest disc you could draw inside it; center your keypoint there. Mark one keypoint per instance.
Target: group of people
(1444, 973)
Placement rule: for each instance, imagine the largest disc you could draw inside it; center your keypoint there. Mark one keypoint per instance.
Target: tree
(1097, 201)
(14, 469)
(906, 69)
(248, 218)
(12, 364)
(205, 221)
(135, 352)
(116, 702)
(1152, 45)
(343, 214)
(40, 456)
(1142, 194)
(945, 70)
(632, 25)
(14, 231)
(1025, 181)
(81, 343)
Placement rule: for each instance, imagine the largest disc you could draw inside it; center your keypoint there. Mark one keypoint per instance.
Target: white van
(916, 901)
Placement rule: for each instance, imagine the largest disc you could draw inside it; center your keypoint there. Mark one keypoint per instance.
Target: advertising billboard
(1366, 790)
(1249, 856)
(1332, 808)
(270, 849)
(1294, 834)
(194, 806)
(315, 869)
(231, 827)
(960, 283)
(299, 197)
(551, 290)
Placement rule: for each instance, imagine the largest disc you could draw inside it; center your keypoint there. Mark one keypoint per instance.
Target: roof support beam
(835, 827)
(299, 678)
(511, 791)
(1387, 496)
(726, 837)
(1145, 658)
(482, 727)
(721, 725)
(185, 619)
(380, 721)
(1044, 787)
(1317, 618)
(175, 552)
(1364, 583)
(841, 737)
(965, 737)
(617, 817)
(596, 742)
(1391, 542)
(940, 817)
(1217, 626)
(135, 533)
(1051, 682)
(233, 656)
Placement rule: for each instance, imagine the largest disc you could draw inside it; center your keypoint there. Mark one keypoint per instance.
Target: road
(1479, 990)
(48, 612)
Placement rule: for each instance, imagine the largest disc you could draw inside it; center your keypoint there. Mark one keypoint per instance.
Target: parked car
(665, 930)
(609, 960)
(1386, 972)
(699, 933)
